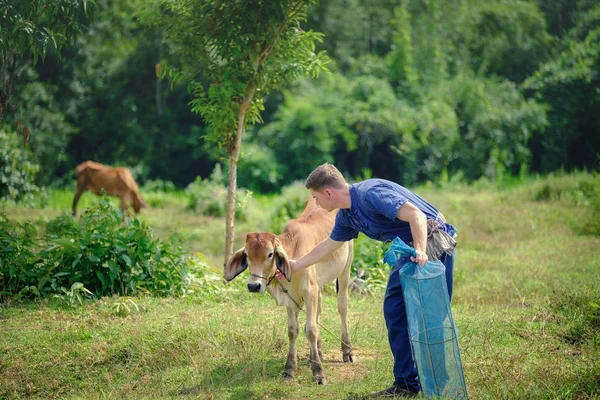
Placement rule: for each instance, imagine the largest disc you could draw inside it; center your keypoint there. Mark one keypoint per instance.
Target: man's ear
(282, 262)
(236, 264)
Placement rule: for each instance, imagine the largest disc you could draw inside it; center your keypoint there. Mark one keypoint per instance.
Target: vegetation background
(486, 108)
(418, 89)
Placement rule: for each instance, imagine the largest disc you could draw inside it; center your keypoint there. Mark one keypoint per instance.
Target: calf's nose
(254, 287)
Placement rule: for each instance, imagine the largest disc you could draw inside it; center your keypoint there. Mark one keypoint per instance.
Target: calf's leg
(291, 363)
(78, 192)
(319, 309)
(312, 334)
(342, 303)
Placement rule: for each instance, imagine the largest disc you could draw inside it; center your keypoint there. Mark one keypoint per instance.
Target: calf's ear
(236, 264)
(282, 262)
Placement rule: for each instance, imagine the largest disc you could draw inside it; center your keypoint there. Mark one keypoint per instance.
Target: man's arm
(319, 252)
(418, 228)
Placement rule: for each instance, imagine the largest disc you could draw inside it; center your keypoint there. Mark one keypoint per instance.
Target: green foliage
(99, 252)
(34, 29)
(207, 282)
(246, 50)
(504, 38)
(209, 196)
(158, 185)
(568, 84)
(75, 295)
(124, 306)
(39, 28)
(17, 170)
(18, 267)
(111, 258)
(289, 205)
(496, 124)
(259, 169)
(36, 106)
(412, 81)
(368, 267)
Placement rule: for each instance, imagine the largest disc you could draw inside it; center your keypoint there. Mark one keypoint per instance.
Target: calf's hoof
(287, 376)
(349, 358)
(319, 380)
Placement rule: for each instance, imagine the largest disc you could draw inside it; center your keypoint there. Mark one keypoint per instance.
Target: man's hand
(280, 276)
(293, 266)
(421, 258)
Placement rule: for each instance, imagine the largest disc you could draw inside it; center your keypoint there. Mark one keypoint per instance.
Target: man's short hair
(325, 175)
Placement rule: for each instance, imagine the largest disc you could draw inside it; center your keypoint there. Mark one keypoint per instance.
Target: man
(383, 210)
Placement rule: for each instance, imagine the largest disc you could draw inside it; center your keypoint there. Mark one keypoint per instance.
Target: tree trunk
(234, 155)
(231, 189)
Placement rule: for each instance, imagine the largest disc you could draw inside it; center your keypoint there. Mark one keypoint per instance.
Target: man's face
(323, 198)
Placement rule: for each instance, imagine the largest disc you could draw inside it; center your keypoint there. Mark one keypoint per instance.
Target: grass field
(526, 303)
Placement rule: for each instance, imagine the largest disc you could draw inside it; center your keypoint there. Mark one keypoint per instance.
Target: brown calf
(115, 181)
(264, 253)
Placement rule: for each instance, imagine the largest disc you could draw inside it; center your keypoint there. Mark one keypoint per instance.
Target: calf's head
(263, 254)
(138, 203)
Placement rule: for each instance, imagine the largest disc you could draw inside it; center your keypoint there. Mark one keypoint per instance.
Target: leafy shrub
(18, 271)
(109, 257)
(17, 170)
(99, 253)
(368, 269)
(208, 281)
(209, 196)
(159, 185)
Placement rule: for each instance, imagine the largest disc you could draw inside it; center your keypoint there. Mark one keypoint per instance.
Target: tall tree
(30, 29)
(246, 48)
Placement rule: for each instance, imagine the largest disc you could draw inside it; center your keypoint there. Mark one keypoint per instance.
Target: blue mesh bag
(432, 332)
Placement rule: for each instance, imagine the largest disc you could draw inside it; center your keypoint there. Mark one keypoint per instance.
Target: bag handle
(398, 248)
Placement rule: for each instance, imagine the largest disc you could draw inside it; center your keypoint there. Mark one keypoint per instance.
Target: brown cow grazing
(265, 253)
(115, 181)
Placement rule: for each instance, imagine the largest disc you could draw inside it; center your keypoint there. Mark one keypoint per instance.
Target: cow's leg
(312, 333)
(293, 329)
(123, 205)
(342, 302)
(78, 192)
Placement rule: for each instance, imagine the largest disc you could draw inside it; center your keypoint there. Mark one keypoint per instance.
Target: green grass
(526, 304)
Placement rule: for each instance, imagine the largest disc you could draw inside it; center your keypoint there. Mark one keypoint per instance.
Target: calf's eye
(270, 255)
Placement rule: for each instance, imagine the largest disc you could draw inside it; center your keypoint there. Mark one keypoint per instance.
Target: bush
(368, 268)
(101, 252)
(110, 257)
(17, 170)
(18, 270)
(159, 185)
(209, 197)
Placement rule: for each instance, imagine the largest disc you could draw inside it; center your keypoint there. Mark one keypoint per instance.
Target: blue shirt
(373, 209)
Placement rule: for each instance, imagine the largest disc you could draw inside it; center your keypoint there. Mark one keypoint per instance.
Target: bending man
(383, 210)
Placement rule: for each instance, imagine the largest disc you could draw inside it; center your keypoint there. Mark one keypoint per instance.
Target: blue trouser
(405, 372)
